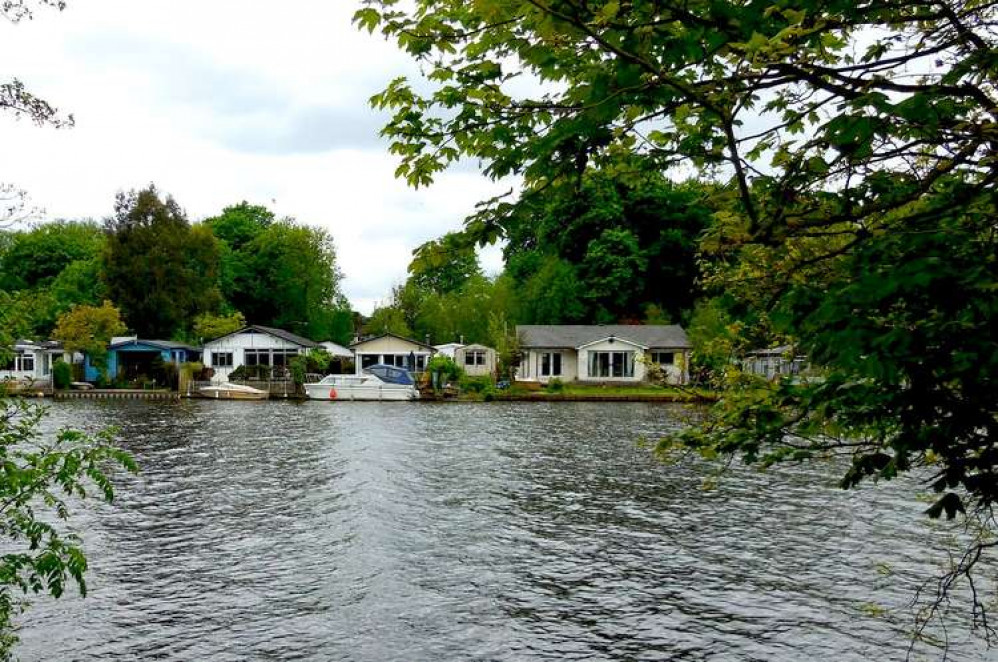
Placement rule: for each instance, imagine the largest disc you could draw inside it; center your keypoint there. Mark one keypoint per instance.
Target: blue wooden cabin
(131, 357)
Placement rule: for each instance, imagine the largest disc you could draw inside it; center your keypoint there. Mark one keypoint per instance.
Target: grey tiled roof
(286, 335)
(277, 333)
(575, 335)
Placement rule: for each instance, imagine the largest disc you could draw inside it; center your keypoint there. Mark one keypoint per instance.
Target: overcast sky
(221, 101)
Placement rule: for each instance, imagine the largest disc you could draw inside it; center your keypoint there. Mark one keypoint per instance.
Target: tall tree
(852, 161)
(158, 269)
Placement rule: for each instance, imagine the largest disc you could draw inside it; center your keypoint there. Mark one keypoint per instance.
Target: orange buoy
(332, 394)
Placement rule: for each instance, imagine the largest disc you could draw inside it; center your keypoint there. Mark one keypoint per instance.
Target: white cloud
(224, 101)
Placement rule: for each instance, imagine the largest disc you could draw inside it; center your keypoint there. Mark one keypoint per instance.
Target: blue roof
(155, 344)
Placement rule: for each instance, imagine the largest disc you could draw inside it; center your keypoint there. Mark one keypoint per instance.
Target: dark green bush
(62, 375)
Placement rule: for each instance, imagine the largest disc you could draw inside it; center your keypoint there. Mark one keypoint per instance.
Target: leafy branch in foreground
(40, 480)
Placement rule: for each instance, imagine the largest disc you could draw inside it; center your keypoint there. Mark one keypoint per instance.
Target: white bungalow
(610, 353)
(32, 361)
(252, 346)
(390, 349)
(477, 360)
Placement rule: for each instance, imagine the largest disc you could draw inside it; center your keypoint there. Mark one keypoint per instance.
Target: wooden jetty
(116, 394)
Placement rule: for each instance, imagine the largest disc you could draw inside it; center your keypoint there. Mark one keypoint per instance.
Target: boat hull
(369, 391)
(223, 393)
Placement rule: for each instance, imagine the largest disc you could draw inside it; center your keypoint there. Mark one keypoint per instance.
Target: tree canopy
(619, 243)
(853, 147)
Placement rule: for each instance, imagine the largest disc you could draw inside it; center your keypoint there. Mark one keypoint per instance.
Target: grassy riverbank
(574, 392)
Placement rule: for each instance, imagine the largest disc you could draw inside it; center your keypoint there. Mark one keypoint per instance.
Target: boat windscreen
(392, 375)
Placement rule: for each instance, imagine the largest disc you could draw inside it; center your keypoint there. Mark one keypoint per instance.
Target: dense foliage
(619, 249)
(608, 249)
(279, 273)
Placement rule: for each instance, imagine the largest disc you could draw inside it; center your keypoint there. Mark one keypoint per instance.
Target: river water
(494, 531)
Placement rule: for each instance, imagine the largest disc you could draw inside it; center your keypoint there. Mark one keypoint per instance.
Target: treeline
(611, 248)
(167, 278)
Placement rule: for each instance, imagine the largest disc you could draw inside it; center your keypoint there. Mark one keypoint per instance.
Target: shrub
(476, 384)
(449, 371)
(555, 386)
(298, 366)
(62, 375)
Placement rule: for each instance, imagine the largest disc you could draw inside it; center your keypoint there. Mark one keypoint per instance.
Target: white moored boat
(379, 382)
(229, 391)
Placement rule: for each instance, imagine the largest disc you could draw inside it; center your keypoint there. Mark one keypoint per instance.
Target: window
(367, 360)
(474, 357)
(393, 359)
(663, 358)
(550, 364)
(19, 363)
(257, 357)
(221, 359)
(611, 364)
(283, 356)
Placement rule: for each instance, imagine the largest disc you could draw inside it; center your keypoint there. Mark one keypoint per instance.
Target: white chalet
(253, 345)
(602, 353)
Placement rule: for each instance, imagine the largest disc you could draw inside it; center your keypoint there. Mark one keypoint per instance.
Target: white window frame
(222, 359)
(624, 359)
(546, 364)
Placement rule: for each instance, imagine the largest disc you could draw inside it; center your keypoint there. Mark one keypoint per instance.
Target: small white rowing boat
(229, 391)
